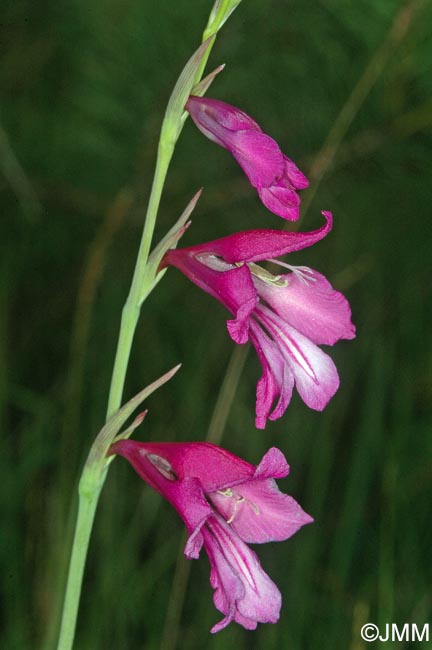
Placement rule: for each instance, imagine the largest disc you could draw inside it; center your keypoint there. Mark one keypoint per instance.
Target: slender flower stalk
(144, 280)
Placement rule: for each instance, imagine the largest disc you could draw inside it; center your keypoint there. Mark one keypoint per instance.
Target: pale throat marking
(228, 492)
(304, 273)
(161, 464)
(215, 262)
(264, 275)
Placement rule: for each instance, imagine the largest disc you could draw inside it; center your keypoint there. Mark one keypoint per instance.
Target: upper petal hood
(252, 245)
(215, 467)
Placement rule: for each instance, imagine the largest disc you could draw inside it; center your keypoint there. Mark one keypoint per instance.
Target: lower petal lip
(288, 344)
(234, 553)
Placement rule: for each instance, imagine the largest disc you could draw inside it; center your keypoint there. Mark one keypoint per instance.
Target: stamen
(227, 492)
(266, 276)
(304, 273)
(237, 502)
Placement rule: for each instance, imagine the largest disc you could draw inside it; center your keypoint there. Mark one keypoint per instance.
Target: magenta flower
(285, 316)
(274, 175)
(225, 503)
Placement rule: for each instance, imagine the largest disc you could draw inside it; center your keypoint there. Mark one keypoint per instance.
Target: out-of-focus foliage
(84, 86)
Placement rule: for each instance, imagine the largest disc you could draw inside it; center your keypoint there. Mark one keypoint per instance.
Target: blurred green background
(346, 89)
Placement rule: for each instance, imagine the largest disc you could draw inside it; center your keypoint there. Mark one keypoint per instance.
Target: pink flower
(274, 175)
(285, 317)
(224, 502)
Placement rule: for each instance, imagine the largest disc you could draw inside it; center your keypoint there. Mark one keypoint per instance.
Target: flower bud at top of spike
(276, 178)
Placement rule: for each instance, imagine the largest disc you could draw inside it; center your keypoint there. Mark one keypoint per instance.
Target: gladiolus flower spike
(285, 316)
(226, 504)
(274, 175)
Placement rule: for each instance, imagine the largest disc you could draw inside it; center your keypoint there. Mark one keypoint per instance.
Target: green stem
(89, 489)
(132, 307)
(93, 476)
(86, 511)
